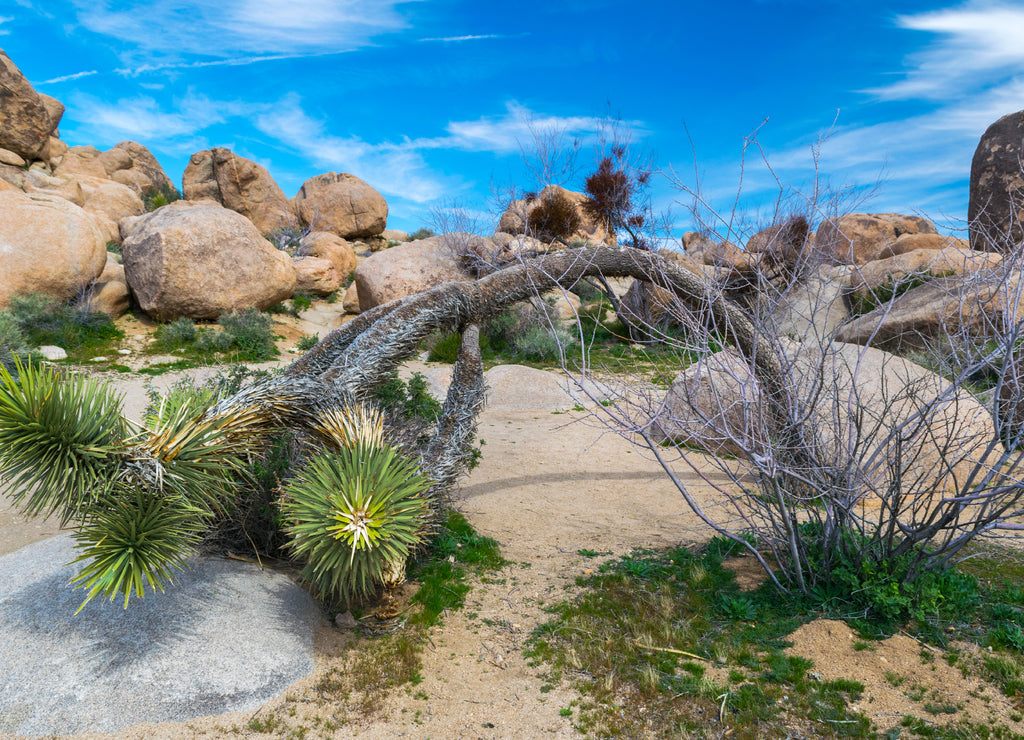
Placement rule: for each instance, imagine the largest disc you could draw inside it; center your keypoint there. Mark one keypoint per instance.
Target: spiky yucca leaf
(62, 440)
(137, 539)
(354, 515)
(350, 425)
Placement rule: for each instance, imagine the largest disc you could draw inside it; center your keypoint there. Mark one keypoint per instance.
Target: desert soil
(549, 485)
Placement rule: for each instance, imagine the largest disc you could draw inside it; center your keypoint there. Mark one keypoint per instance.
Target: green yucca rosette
(137, 540)
(62, 440)
(354, 515)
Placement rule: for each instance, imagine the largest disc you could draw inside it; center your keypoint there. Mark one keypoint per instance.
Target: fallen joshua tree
(140, 497)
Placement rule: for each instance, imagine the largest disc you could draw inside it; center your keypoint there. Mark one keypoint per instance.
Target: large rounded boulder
(342, 204)
(237, 183)
(47, 245)
(201, 260)
(25, 121)
(995, 209)
(406, 270)
(859, 395)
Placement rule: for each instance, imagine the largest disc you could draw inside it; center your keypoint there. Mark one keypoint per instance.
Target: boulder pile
(235, 241)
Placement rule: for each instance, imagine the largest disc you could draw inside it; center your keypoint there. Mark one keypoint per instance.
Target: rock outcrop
(47, 245)
(857, 238)
(128, 163)
(342, 204)
(943, 306)
(237, 183)
(332, 248)
(201, 260)
(25, 120)
(995, 211)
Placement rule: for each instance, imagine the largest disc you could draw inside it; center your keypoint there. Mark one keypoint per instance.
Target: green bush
(44, 320)
(251, 334)
(421, 234)
(307, 342)
(159, 197)
(178, 334)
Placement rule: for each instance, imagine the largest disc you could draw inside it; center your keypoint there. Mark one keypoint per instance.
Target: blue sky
(434, 101)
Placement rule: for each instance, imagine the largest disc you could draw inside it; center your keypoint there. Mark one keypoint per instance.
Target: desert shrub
(178, 334)
(540, 344)
(307, 342)
(114, 248)
(554, 217)
(159, 197)
(251, 334)
(421, 234)
(43, 320)
(287, 238)
(301, 302)
(12, 339)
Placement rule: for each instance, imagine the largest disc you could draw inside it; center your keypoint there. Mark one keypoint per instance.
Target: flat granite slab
(227, 638)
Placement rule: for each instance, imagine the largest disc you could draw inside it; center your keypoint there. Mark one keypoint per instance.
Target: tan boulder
(716, 404)
(109, 294)
(351, 300)
(395, 235)
(127, 163)
(132, 164)
(331, 247)
(315, 276)
(10, 158)
(919, 265)
(696, 243)
(973, 304)
(54, 110)
(342, 204)
(516, 218)
(81, 161)
(239, 184)
(25, 123)
(406, 270)
(857, 238)
(912, 242)
(47, 245)
(201, 260)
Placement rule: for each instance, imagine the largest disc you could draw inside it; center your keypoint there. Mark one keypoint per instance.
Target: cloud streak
(68, 78)
(979, 43)
(242, 27)
(480, 37)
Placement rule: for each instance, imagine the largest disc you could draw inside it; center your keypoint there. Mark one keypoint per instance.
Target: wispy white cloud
(394, 170)
(142, 118)
(241, 27)
(231, 62)
(480, 37)
(978, 42)
(516, 129)
(67, 78)
(4, 19)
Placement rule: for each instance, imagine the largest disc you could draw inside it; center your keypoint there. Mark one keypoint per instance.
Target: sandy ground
(548, 486)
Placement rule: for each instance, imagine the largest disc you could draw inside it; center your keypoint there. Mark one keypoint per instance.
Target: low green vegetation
(34, 320)
(244, 336)
(159, 197)
(664, 644)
